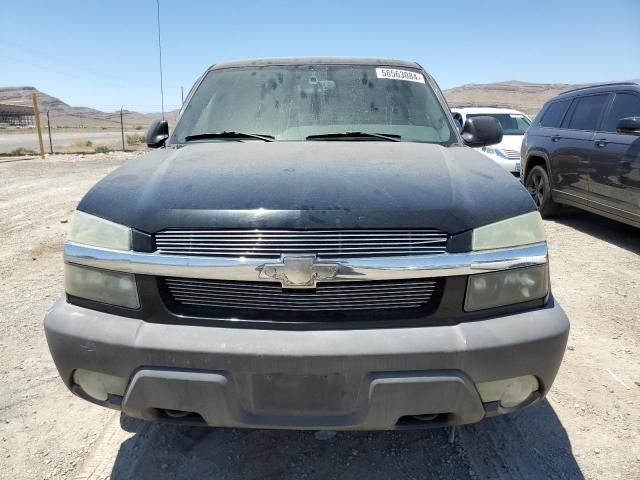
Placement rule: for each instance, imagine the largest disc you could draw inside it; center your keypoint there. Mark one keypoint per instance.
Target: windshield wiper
(229, 135)
(330, 136)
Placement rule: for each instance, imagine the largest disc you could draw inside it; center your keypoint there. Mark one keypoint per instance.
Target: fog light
(99, 385)
(518, 391)
(511, 392)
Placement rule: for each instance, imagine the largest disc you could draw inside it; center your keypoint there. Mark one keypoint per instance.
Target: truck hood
(308, 185)
(510, 142)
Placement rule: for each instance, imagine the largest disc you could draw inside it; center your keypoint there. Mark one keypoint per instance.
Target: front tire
(539, 186)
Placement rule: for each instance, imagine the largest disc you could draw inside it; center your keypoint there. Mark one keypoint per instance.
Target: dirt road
(589, 426)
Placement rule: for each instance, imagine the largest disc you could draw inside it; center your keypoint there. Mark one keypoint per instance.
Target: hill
(64, 115)
(523, 96)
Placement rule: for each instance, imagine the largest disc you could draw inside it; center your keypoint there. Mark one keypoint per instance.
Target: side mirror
(458, 123)
(157, 134)
(629, 125)
(481, 131)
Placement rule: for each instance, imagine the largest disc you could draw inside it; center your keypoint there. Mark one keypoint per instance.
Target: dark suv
(583, 150)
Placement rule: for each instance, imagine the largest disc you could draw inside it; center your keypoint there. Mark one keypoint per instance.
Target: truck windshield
(297, 102)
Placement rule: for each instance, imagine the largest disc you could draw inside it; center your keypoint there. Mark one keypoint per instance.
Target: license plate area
(285, 394)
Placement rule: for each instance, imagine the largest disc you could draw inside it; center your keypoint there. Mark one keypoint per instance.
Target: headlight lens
(98, 232)
(497, 289)
(494, 151)
(512, 232)
(105, 286)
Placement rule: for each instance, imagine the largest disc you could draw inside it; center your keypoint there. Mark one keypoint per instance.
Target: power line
(56, 61)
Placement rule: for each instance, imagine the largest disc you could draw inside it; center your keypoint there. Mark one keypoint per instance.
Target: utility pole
(37, 115)
(122, 128)
(182, 94)
(49, 128)
(160, 56)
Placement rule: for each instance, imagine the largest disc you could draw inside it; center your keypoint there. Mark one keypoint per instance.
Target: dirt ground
(587, 428)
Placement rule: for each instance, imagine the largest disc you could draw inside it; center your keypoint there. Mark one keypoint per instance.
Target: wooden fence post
(36, 113)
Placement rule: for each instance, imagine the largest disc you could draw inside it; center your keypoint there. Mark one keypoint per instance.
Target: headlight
(512, 232)
(105, 286)
(98, 232)
(497, 289)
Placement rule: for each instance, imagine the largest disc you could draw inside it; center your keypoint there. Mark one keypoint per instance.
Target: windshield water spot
(293, 102)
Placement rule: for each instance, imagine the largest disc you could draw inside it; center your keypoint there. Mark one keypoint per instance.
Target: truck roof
(604, 86)
(475, 110)
(373, 61)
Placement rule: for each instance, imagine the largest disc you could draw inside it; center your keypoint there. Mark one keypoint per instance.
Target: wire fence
(81, 130)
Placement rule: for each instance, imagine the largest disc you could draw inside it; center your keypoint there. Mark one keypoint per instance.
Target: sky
(104, 54)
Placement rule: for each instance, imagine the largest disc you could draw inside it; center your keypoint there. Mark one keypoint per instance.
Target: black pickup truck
(315, 246)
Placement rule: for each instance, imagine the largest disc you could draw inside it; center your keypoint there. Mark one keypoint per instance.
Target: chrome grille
(329, 296)
(512, 154)
(323, 243)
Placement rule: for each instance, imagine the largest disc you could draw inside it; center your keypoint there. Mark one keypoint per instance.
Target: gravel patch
(588, 427)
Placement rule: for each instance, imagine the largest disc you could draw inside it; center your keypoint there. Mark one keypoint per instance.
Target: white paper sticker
(395, 74)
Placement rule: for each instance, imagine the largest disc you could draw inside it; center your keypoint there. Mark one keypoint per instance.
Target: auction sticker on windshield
(394, 74)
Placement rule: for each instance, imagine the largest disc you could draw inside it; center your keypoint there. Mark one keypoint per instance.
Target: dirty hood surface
(308, 185)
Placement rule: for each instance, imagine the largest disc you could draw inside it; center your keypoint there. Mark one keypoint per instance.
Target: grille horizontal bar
(323, 243)
(512, 154)
(270, 296)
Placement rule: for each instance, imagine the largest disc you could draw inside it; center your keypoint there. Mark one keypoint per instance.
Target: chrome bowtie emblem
(299, 272)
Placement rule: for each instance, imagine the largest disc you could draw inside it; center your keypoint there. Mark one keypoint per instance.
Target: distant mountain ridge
(64, 115)
(524, 96)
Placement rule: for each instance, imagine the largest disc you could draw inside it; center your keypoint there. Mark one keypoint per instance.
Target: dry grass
(135, 139)
(82, 144)
(22, 151)
(90, 147)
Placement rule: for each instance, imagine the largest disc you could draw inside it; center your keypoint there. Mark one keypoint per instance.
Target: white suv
(514, 124)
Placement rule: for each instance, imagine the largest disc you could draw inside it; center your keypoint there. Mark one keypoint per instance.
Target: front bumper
(365, 379)
(510, 165)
